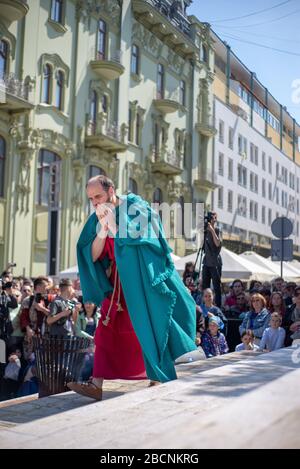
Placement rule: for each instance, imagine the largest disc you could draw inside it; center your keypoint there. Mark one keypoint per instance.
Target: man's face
(97, 195)
(237, 288)
(42, 288)
(278, 285)
(241, 300)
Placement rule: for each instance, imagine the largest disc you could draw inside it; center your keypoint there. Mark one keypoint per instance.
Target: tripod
(200, 252)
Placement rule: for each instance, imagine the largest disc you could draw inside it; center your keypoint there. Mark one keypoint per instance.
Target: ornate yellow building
(97, 86)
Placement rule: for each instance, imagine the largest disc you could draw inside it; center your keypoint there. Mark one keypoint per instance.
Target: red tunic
(118, 354)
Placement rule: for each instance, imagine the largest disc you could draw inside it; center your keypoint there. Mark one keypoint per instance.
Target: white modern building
(256, 156)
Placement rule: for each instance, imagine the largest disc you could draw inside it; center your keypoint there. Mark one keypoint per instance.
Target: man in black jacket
(212, 262)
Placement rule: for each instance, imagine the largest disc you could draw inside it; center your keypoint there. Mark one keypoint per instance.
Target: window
(253, 210)
(160, 81)
(2, 164)
(185, 147)
(273, 122)
(230, 169)
(137, 129)
(270, 165)
(221, 131)
(298, 212)
(4, 50)
(242, 176)
(270, 191)
(277, 170)
(263, 187)
(242, 206)
(270, 217)
(230, 201)
(132, 186)
(253, 182)
(256, 155)
(135, 59)
(46, 158)
(157, 196)
(251, 152)
(59, 90)
(182, 93)
(57, 11)
(277, 195)
(263, 215)
(221, 164)
(95, 171)
(220, 197)
(47, 81)
(94, 110)
(298, 185)
(263, 160)
(242, 143)
(101, 47)
(231, 137)
(204, 54)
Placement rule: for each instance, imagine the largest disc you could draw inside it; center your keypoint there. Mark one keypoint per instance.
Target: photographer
(63, 311)
(212, 262)
(7, 302)
(34, 308)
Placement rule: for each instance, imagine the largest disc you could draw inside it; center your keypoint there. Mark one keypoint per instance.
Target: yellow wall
(219, 89)
(287, 147)
(297, 157)
(274, 135)
(234, 98)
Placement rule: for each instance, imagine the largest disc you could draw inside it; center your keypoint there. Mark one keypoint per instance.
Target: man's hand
(106, 217)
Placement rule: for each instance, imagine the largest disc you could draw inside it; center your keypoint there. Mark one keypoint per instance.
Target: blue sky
(277, 28)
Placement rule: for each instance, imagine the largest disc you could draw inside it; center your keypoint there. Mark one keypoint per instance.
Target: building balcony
(107, 136)
(207, 127)
(167, 21)
(167, 104)
(166, 162)
(14, 94)
(206, 180)
(107, 68)
(13, 10)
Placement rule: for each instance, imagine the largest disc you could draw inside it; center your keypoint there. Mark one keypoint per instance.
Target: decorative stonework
(147, 40)
(57, 64)
(109, 9)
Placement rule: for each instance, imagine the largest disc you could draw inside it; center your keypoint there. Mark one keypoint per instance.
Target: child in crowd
(247, 338)
(213, 341)
(274, 336)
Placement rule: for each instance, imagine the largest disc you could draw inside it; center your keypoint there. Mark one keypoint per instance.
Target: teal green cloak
(162, 311)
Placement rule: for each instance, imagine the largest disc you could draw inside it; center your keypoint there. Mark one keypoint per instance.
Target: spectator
(208, 306)
(26, 291)
(278, 284)
(200, 325)
(213, 341)
(247, 342)
(289, 292)
(189, 272)
(294, 314)
(237, 288)
(255, 286)
(87, 321)
(60, 320)
(7, 302)
(257, 319)
(241, 307)
(17, 335)
(266, 293)
(277, 304)
(273, 337)
(11, 379)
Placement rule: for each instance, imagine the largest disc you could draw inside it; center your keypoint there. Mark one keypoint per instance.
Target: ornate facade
(122, 88)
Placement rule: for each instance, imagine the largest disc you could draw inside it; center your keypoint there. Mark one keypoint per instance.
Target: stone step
(144, 418)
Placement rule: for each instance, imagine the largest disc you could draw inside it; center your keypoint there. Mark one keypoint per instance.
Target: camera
(71, 305)
(207, 219)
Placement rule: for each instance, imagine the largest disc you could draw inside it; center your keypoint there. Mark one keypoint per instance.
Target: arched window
(135, 58)
(4, 51)
(95, 171)
(132, 186)
(157, 196)
(57, 11)
(2, 165)
(101, 47)
(47, 84)
(59, 97)
(46, 158)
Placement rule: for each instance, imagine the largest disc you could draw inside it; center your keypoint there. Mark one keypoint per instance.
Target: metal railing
(15, 87)
(170, 157)
(113, 56)
(173, 15)
(103, 127)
